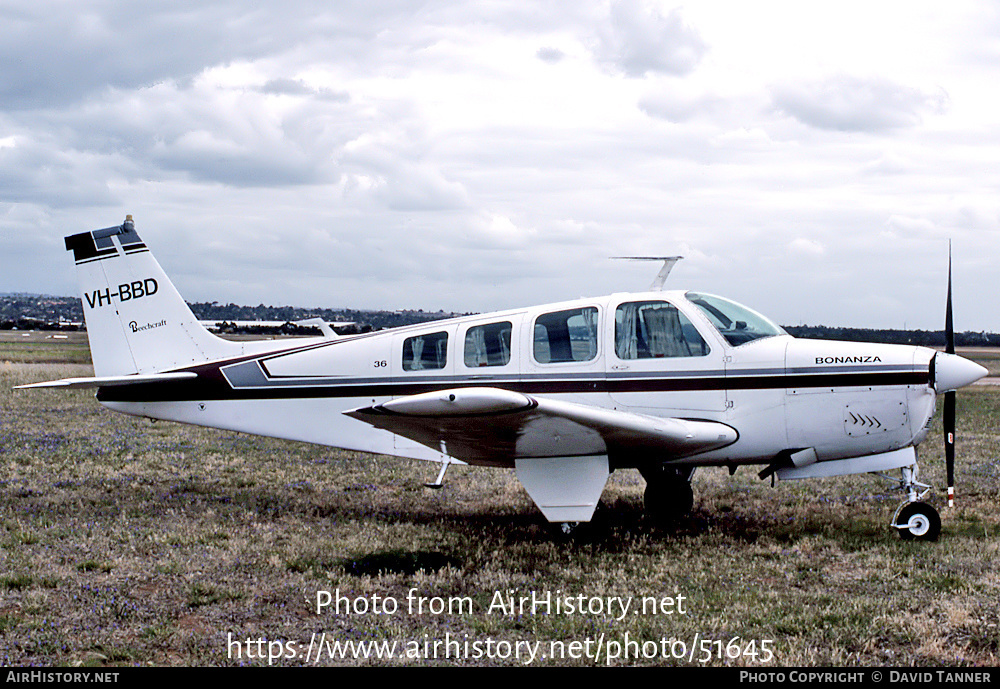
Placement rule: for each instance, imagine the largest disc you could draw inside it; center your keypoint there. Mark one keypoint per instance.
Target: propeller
(948, 416)
(951, 372)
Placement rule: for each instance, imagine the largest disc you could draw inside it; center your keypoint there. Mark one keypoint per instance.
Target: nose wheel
(917, 520)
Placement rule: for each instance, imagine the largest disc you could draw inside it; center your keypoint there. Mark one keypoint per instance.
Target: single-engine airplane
(660, 381)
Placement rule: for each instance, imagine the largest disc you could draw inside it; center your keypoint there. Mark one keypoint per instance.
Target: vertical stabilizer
(136, 320)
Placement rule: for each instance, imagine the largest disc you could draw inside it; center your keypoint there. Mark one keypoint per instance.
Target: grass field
(33, 346)
(125, 542)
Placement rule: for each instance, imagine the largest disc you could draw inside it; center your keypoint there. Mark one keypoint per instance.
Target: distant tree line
(361, 320)
(43, 312)
(924, 338)
(40, 312)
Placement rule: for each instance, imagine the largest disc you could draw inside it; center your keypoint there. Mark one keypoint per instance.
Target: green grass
(129, 542)
(94, 566)
(201, 594)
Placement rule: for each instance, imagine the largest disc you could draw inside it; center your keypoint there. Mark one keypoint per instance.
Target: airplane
(663, 381)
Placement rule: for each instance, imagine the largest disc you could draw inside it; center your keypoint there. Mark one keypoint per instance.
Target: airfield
(128, 542)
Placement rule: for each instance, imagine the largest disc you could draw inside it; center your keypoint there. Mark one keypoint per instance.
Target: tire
(918, 520)
(668, 499)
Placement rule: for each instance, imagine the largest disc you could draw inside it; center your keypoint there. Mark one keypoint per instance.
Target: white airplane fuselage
(843, 399)
(663, 381)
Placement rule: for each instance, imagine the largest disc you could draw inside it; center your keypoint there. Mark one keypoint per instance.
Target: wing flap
(495, 426)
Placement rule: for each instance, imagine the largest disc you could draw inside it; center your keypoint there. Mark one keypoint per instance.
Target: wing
(494, 426)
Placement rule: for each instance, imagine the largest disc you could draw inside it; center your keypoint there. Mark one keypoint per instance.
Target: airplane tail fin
(137, 322)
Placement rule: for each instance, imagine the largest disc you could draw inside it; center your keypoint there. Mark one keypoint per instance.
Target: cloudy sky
(810, 160)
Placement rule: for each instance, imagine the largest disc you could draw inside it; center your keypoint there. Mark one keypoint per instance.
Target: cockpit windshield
(735, 322)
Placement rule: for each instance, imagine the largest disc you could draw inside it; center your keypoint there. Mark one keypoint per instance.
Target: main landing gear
(668, 495)
(915, 519)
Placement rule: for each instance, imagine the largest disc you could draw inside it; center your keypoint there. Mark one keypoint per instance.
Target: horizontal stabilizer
(111, 381)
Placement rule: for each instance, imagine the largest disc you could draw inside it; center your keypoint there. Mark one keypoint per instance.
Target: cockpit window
(655, 329)
(735, 322)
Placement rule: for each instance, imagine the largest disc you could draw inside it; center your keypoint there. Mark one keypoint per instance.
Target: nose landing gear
(915, 519)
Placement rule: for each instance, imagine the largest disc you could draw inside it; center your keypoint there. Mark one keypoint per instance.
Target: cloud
(888, 164)
(495, 231)
(678, 108)
(638, 40)
(910, 227)
(54, 54)
(806, 247)
(852, 104)
(35, 171)
(397, 178)
(550, 55)
(284, 86)
(242, 133)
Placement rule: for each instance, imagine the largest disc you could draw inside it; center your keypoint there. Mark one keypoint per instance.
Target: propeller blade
(948, 416)
(949, 443)
(949, 325)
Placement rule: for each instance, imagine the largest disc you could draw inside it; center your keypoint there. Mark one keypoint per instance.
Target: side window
(488, 345)
(655, 329)
(566, 336)
(425, 352)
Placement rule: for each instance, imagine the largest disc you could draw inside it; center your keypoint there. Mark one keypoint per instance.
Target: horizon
(459, 314)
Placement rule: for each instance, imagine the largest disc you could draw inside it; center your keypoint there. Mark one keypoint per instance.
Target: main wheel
(568, 528)
(918, 520)
(667, 499)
